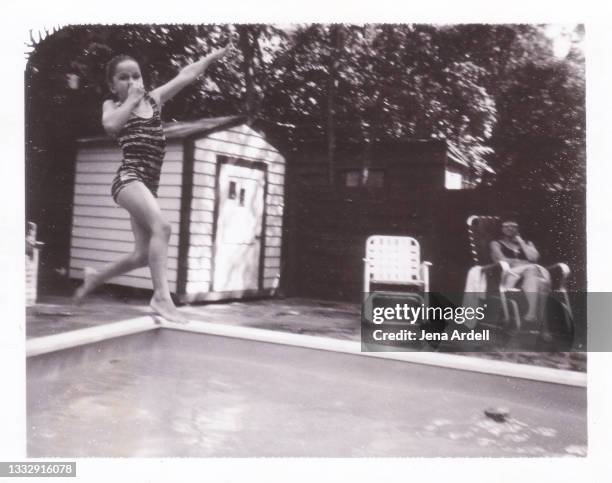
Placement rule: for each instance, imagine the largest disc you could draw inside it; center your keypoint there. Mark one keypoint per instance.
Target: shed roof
(183, 129)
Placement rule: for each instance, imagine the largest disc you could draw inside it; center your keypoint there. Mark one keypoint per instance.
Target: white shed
(222, 189)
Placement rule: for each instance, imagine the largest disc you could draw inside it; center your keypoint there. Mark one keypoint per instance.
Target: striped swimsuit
(144, 145)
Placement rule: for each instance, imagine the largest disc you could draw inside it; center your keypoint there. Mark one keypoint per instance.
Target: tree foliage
(497, 92)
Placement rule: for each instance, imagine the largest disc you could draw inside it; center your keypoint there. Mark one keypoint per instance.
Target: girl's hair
(111, 66)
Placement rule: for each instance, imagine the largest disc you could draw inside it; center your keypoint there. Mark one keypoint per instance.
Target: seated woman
(522, 256)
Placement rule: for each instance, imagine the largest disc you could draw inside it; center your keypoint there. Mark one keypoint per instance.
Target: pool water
(166, 393)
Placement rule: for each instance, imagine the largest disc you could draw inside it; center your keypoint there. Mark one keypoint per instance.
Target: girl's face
(127, 72)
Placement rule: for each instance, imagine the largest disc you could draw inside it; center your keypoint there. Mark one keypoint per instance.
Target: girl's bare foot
(89, 283)
(166, 309)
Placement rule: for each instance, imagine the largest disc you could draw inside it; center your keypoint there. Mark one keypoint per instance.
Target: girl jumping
(133, 118)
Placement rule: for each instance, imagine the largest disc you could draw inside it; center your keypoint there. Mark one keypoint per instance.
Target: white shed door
(239, 228)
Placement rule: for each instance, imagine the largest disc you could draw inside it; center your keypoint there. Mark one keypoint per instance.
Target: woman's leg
(137, 259)
(544, 289)
(530, 288)
(536, 285)
(142, 205)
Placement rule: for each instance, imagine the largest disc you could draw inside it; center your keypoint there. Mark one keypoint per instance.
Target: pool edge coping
(65, 340)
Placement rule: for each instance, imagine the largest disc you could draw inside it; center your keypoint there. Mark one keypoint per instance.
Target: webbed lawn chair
(482, 231)
(394, 262)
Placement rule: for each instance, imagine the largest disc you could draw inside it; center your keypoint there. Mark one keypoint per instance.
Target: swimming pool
(169, 393)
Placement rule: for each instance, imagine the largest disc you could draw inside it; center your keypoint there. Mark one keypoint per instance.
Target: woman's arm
(186, 76)
(114, 117)
(529, 249)
(496, 252)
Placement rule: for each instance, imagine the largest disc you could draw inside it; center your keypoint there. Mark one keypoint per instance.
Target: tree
(380, 83)
(495, 91)
(538, 139)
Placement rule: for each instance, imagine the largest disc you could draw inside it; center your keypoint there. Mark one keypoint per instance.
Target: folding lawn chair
(393, 262)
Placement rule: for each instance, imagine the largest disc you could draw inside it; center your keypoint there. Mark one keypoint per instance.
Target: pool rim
(79, 337)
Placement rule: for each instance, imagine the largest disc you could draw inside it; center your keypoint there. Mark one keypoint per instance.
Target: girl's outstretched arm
(187, 75)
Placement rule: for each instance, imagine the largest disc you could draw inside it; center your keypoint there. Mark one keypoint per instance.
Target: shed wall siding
(101, 231)
(240, 142)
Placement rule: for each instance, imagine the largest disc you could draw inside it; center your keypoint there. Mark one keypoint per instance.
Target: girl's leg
(137, 259)
(142, 205)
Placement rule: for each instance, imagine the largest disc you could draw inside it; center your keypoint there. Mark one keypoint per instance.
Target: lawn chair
(394, 262)
(482, 231)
